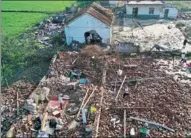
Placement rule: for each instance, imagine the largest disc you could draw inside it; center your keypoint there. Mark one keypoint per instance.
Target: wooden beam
(120, 107)
(124, 123)
(152, 123)
(120, 88)
(17, 103)
(141, 79)
(43, 124)
(99, 112)
(104, 74)
(95, 88)
(82, 103)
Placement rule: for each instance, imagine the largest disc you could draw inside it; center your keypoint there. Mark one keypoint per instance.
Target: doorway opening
(92, 37)
(135, 12)
(166, 13)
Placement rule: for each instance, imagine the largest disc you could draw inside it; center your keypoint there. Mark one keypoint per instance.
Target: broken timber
(120, 88)
(82, 103)
(142, 79)
(104, 74)
(95, 88)
(152, 123)
(99, 112)
(119, 107)
(43, 128)
(124, 119)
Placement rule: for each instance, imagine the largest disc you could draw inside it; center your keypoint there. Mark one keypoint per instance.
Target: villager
(60, 100)
(185, 42)
(183, 57)
(126, 92)
(88, 39)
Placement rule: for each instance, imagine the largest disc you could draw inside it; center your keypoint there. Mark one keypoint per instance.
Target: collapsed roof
(104, 15)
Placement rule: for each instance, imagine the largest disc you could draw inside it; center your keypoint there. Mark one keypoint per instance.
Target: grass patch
(16, 23)
(36, 5)
(183, 5)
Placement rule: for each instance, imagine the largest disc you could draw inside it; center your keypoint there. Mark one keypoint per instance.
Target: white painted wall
(113, 3)
(144, 9)
(173, 12)
(76, 29)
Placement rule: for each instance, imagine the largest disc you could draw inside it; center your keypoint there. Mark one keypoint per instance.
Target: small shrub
(180, 25)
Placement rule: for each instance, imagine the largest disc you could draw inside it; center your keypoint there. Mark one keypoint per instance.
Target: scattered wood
(141, 79)
(43, 124)
(17, 103)
(99, 112)
(119, 107)
(82, 103)
(104, 74)
(152, 123)
(120, 88)
(74, 61)
(124, 119)
(95, 88)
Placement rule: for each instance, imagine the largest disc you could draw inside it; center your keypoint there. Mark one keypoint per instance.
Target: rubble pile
(94, 102)
(165, 35)
(9, 104)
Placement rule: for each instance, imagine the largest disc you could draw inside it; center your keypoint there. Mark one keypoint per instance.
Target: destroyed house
(150, 9)
(94, 22)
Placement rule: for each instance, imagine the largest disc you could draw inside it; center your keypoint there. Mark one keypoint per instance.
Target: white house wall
(173, 12)
(113, 3)
(144, 9)
(76, 29)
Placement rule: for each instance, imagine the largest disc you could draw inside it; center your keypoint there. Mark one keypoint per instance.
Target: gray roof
(145, 3)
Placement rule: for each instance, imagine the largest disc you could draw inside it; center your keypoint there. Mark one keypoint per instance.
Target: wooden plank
(104, 74)
(120, 88)
(17, 103)
(119, 107)
(124, 123)
(43, 124)
(95, 88)
(82, 103)
(152, 123)
(99, 112)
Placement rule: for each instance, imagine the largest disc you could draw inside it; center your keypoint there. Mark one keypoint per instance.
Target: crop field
(14, 23)
(36, 5)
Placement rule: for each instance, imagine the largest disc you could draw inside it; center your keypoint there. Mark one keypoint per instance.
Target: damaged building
(92, 24)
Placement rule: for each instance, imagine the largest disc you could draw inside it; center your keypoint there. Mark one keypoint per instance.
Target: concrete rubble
(92, 85)
(164, 34)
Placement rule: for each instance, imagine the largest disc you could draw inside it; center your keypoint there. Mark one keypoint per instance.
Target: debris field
(153, 96)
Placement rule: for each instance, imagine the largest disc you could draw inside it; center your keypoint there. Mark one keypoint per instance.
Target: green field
(16, 23)
(36, 5)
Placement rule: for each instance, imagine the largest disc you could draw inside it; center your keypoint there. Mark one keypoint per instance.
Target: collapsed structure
(92, 87)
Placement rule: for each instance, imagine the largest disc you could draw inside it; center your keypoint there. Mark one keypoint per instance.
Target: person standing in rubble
(184, 43)
(88, 39)
(60, 100)
(126, 92)
(183, 57)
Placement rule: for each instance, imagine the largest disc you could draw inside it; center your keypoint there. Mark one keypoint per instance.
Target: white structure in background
(113, 3)
(150, 9)
(93, 19)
